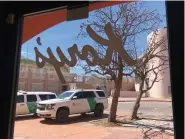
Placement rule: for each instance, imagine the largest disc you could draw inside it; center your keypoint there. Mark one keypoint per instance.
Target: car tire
(62, 115)
(99, 109)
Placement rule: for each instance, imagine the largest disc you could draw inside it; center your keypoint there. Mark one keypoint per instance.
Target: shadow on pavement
(150, 134)
(75, 119)
(140, 125)
(25, 117)
(156, 119)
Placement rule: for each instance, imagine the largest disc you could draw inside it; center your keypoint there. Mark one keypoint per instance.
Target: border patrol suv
(26, 101)
(73, 102)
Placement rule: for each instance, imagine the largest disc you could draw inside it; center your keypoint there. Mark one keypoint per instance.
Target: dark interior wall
(9, 59)
(10, 56)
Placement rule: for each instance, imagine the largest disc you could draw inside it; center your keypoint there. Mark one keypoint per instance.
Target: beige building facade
(32, 78)
(161, 89)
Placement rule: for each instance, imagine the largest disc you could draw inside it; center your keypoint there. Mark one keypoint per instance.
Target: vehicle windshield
(65, 95)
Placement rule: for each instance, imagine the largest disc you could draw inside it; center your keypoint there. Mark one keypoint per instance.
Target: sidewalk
(85, 129)
(144, 99)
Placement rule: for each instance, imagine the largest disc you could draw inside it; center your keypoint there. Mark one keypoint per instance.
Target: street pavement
(155, 115)
(158, 110)
(144, 99)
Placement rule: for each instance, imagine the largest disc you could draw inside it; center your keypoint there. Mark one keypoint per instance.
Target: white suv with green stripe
(73, 102)
(26, 101)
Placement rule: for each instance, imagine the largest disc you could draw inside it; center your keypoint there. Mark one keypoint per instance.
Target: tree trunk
(136, 107)
(113, 109)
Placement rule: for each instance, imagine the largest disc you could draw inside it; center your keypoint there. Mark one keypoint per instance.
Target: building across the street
(32, 78)
(161, 89)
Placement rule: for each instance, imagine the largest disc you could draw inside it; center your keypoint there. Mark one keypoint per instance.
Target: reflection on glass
(122, 48)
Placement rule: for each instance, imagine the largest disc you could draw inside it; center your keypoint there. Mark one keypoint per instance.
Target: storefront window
(114, 42)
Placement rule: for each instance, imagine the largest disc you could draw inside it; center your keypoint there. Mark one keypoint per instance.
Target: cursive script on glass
(113, 43)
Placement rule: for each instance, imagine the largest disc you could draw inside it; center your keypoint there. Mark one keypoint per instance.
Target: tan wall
(160, 89)
(127, 85)
(128, 94)
(84, 86)
(30, 81)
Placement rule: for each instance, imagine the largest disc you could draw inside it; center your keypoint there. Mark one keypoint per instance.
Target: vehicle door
(21, 107)
(102, 98)
(78, 103)
(31, 103)
(90, 100)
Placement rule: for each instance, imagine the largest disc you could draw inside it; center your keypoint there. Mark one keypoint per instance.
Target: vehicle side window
(43, 97)
(52, 96)
(100, 93)
(31, 98)
(79, 95)
(47, 97)
(89, 94)
(20, 99)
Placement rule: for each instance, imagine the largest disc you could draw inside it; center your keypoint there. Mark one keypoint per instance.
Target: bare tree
(127, 22)
(150, 66)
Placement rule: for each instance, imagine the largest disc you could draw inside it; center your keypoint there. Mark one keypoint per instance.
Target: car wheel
(62, 115)
(99, 109)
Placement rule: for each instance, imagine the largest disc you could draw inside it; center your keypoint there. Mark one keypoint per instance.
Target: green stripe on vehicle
(92, 103)
(32, 106)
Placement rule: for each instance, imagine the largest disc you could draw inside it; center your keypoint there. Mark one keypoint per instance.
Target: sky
(64, 34)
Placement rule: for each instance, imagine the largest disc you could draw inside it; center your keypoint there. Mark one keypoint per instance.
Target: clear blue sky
(64, 34)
